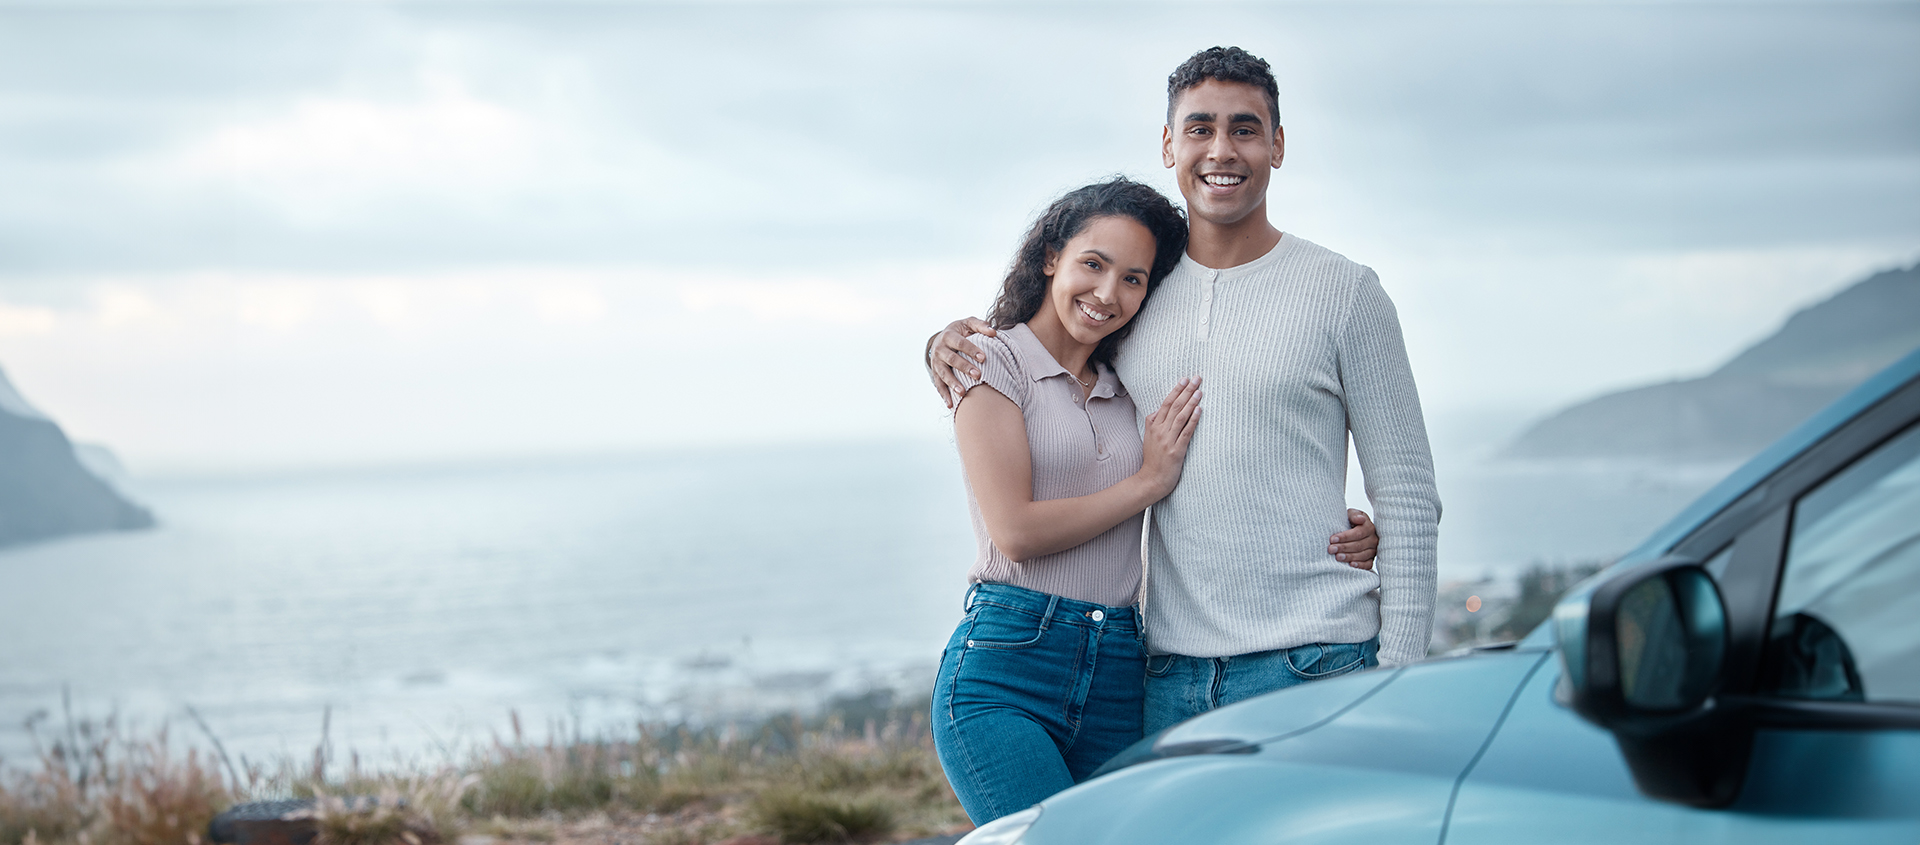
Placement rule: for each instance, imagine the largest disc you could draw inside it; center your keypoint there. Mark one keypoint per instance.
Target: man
(1299, 347)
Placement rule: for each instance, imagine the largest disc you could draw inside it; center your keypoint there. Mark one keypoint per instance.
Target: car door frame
(1757, 524)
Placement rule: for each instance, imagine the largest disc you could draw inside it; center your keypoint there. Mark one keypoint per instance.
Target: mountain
(44, 489)
(1822, 352)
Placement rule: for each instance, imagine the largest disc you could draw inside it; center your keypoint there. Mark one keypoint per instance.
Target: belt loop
(968, 604)
(1053, 603)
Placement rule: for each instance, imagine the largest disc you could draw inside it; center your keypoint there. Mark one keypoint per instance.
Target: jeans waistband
(1047, 605)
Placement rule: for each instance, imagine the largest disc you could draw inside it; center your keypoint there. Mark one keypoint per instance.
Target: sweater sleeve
(1390, 439)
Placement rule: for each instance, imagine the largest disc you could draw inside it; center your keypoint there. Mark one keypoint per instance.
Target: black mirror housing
(1643, 653)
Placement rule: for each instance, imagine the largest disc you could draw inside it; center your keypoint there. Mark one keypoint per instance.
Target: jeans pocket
(1158, 665)
(1325, 660)
(998, 627)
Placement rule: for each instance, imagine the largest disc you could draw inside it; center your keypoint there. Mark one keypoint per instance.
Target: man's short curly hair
(1227, 64)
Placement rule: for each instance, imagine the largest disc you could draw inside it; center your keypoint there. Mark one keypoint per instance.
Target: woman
(1041, 682)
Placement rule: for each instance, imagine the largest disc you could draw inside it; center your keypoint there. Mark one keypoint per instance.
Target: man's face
(1223, 148)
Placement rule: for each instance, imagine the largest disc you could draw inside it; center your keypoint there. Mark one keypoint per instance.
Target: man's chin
(1221, 214)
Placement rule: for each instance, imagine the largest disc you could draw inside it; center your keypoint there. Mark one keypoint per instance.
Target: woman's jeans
(1035, 691)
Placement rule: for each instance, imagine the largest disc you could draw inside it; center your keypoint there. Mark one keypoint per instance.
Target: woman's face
(1099, 278)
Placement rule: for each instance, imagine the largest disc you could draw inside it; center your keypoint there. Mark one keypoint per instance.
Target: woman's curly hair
(1026, 285)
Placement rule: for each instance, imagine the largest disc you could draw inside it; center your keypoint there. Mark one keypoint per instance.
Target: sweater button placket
(1206, 304)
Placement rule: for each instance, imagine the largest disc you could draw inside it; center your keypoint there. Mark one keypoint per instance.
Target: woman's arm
(993, 445)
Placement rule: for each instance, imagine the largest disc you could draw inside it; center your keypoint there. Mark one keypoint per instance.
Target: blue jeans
(1181, 687)
(1035, 692)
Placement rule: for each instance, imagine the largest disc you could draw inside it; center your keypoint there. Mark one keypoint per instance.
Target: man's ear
(1166, 146)
(1279, 145)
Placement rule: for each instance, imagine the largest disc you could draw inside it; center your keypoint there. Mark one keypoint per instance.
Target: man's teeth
(1094, 315)
(1224, 181)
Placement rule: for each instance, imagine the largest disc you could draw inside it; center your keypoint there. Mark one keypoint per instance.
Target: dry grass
(157, 799)
(794, 780)
(97, 786)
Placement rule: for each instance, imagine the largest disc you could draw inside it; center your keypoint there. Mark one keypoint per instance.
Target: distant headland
(1733, 412)
(45, 489)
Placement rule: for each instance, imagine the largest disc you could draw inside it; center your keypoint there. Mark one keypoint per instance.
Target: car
(1750, 673)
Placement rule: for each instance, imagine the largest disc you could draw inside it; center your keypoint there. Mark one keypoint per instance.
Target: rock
(264, 823)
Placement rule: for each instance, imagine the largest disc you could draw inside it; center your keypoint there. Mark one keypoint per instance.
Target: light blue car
(1750, 674)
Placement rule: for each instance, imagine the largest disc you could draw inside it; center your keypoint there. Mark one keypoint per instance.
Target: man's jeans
(1181, 687)
(1035, 692)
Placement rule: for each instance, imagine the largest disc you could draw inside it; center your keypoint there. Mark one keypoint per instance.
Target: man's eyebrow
(1200, 117)
(1247, 117)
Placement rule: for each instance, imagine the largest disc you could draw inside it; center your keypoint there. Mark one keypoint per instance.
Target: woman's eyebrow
(1109, 259)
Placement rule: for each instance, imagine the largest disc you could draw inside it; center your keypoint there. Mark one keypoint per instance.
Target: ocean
(416, 611)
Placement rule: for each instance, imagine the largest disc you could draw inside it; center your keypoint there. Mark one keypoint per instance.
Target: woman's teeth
(1094, 315)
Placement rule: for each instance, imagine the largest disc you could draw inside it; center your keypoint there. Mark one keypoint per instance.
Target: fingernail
(1341, 558)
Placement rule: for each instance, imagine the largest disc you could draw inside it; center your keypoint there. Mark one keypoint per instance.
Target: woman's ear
(1052, 263)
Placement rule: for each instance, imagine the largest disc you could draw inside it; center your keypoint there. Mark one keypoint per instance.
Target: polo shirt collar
(1039, 363)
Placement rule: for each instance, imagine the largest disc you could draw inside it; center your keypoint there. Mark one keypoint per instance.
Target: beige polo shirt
(1080, 445)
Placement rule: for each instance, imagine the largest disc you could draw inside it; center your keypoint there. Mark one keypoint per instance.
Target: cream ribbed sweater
(1298, 348)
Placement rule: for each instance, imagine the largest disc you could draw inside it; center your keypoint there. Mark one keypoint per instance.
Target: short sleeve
(1001, 371)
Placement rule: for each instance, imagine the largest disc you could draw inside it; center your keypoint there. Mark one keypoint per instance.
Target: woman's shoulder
(999, 347)
(1003, 370)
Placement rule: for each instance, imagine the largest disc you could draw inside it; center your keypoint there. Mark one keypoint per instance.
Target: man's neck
(1219, 246)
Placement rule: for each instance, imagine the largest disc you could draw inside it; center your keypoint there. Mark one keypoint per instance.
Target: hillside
(1734, 411)
(44, 490)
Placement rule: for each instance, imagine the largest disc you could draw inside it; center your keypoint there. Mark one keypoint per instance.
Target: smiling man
(1299, 347)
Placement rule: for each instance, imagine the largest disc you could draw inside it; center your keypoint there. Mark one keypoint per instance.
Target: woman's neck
(1052, 333)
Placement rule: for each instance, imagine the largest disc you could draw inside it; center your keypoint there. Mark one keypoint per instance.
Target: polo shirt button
(1098, 616)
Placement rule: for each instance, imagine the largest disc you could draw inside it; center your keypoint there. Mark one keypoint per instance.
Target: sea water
(414, 612)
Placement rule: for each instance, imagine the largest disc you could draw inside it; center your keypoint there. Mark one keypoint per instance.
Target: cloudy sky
(237, 236)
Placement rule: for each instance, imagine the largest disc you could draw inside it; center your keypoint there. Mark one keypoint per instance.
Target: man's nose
(1220, 148)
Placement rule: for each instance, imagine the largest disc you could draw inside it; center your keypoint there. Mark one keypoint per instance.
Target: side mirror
(1643, 652)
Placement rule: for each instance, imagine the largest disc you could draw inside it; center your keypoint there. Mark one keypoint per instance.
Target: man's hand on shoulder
(950, 353)
(1356, 546)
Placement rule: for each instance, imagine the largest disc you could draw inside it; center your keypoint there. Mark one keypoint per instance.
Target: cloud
(326, 157)
(791, 303)
(19, 321)
(424, 207)
(374, 137)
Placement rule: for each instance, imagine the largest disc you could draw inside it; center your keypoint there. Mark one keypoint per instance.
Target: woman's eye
(1093, 265)
(1133, 280)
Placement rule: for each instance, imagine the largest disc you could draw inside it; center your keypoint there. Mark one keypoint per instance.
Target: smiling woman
(1057, 478)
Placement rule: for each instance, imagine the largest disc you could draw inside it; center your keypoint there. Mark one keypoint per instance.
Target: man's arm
(950, 350)
(1390, 439)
